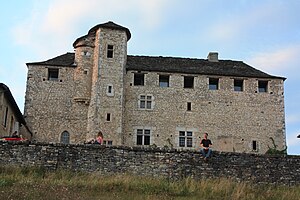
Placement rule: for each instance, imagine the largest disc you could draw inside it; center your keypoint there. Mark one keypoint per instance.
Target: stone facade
(159, 101)
(11, 118)
(156, 162)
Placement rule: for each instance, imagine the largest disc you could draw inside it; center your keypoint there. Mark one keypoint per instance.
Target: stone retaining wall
(173, 164)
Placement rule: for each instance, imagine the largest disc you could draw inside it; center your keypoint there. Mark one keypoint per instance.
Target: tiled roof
(175, 65)
(194, 66)
(66, 59)
(110, 25)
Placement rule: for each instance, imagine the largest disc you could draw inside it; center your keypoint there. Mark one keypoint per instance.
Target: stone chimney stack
(213, 57)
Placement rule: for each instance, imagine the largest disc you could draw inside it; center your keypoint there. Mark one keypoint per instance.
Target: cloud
(277, 60)
(53, 28)
(241, 23)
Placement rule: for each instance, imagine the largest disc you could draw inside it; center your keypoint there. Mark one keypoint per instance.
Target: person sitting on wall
(15, 135)
(206, 147)
(99, 138)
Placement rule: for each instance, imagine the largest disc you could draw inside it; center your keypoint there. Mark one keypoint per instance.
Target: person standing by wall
(205, 147)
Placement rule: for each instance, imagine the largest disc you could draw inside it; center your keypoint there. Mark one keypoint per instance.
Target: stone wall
(233, 119)
(173, 164)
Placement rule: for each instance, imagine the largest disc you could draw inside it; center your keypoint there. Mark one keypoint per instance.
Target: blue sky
(262, 33)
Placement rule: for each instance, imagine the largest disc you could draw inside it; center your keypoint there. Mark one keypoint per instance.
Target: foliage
(274, 151)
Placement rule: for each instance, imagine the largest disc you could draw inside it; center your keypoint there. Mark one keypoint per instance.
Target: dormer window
(138, 79)
(110, 51)
(238, 85)
(188, 82)
(213, 84)
(262, 86)
(53, 74)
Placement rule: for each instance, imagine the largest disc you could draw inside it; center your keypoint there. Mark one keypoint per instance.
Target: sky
(262, 33)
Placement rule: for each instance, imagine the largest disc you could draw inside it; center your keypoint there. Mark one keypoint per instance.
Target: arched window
(65, 137)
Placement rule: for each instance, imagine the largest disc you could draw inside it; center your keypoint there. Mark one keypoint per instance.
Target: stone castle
(146, 100)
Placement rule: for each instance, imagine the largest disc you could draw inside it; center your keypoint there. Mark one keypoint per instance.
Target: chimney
(213, 57)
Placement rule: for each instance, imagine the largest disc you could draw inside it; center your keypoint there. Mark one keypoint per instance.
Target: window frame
(188, 82)
(185, 139)
(263, 86)
(254, 145)
(238, 85)
(138, 79)
(213, 82)
(110, 51)
(51, 73)
(108, 117)
(5, 116)
(65, 137)
(143, 136)
(164, 81)
(144, 101)
(189, 106)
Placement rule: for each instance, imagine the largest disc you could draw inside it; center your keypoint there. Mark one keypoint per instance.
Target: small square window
(138, 79)
(238, 85)
(213, 83)
(109, 142)
(188, 82)
(164, 81)
(53, 74)
(110, 51)
(263, 86)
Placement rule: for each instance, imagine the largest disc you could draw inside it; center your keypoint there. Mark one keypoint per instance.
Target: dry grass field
(34, 183)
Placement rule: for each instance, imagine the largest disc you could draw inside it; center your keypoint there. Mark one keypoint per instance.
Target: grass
(37, 183)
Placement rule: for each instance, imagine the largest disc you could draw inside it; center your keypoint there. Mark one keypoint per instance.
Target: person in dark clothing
(206, 147)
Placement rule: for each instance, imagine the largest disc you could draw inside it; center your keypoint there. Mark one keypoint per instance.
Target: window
(53, 74)
(138, 79)
(107, 142)
(11, 124)
(110, 51)
(5, 117)
(108, 117)
(262, 86)
(185, 139)
(164, 80)
(188, 82)
(65, 137)
(238, 85)
(143, 137)
(254, 145)
(145, 102)
(189, 106)
(109, 90)
(213, 83)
